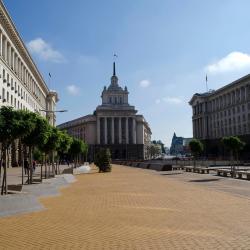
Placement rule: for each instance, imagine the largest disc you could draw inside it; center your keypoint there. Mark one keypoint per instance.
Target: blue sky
(165, 49)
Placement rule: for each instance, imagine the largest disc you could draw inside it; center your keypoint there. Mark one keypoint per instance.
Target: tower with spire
(115, 125)
(115, 95)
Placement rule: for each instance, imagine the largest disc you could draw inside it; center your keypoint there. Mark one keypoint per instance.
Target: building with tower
(114, 124)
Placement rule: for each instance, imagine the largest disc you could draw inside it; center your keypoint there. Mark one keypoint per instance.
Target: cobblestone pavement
(132, 208)
(240, 187)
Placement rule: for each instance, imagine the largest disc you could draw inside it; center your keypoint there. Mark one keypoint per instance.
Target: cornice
(16, 39)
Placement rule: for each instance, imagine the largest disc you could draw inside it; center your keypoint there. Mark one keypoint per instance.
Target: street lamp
(51, 111)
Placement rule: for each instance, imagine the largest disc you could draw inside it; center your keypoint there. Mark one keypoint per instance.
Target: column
(98, 129)
(127, 139)
(6, 54)
(1, 43)
(134, 131)
(112, 130)
(120, 130)
(105, 131)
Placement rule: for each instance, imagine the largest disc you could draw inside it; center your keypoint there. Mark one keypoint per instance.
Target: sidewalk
(132, 208)
(14, 176)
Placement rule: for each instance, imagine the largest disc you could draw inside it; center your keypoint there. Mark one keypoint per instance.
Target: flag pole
(206, 84)
(50, 87)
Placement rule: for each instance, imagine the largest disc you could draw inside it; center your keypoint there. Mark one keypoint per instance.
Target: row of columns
(235, 96)
(113, 130)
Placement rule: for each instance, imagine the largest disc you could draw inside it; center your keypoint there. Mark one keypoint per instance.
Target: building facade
(114, 124)
(180, 145)
(21, 84)
(224, 112)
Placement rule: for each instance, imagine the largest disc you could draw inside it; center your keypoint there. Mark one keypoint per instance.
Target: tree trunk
(30, 165)
(4, 180)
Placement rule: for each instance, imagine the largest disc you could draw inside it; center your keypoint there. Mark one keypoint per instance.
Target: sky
(165, 49)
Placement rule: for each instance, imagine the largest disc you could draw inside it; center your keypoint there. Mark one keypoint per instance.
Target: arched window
(115, 100)
(110, 100)
(120, 99)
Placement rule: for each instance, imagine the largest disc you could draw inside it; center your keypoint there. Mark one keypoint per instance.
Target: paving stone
(132, 208)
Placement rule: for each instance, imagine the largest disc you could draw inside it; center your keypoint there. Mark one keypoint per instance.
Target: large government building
(224, 112)
(21, 84)
(114, 124)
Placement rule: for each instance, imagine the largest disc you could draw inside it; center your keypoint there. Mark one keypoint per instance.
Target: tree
(65, 141)
(154, 149)
(13, 125)
(38, 137)
(50, 146)
(103, 160)
(76, 148)
(196, 148)
(234, 145)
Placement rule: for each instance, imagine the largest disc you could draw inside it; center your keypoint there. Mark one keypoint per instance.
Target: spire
(114, 78)
(114, 69)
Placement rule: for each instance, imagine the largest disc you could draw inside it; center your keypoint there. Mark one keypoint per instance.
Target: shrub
(103, 160)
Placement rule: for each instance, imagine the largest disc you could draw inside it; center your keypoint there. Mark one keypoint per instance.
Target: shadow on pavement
(205, 180)
(17, 188)
(171, 173)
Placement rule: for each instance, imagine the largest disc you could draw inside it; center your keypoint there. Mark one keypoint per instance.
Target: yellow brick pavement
(132, 209)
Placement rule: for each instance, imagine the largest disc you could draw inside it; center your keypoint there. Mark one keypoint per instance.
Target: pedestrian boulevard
(132, 208)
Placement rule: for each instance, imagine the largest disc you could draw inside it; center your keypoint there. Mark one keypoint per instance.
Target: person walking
(34, 165)
(26, 166)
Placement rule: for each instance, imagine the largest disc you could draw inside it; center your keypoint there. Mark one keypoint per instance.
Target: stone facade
(21, 84)
(224, 112)
(115, 124)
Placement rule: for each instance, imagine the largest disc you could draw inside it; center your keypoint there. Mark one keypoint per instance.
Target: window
(3, 94)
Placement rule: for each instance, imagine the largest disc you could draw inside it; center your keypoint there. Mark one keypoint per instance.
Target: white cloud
(45, 51)
(234, 61)
(73, 90)
(172, 100)
(144, 83)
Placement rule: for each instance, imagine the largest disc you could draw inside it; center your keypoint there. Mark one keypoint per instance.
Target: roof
(214, 92)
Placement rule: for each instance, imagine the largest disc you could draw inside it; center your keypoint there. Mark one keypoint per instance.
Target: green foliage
(103, 160)
(233, 143)
(14, 124)
(196, 147)
(76, 147)
(155, 149)
(38, 155)
(65, 142)
(53, 140)
(40, 134)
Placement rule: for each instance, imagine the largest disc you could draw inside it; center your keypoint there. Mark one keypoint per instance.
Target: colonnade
(125, 132)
